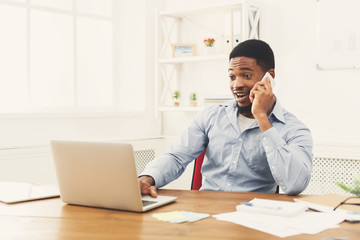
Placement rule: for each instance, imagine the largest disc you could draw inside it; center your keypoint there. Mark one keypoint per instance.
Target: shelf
(180, 109)
(196, 11)
(193, 59)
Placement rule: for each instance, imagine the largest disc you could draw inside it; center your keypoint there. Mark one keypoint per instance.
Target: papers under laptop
(15, 192)
(101, 175)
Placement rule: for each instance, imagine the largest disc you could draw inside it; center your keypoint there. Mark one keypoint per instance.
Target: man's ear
(272, 72)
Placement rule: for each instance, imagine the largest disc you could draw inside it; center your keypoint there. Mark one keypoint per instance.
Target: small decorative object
(355, 190)
(209, 43)
(193, 99)
(176, 98)
(183, 50)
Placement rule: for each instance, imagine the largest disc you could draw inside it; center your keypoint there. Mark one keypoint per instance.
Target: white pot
(210, 50)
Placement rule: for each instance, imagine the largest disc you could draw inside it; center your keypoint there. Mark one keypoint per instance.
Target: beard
(244, 109)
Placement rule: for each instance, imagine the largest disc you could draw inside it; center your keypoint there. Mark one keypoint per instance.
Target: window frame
(74, 110)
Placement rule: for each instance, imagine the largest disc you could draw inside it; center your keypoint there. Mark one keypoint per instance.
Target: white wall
(137, 72)
(24, 138)
(325, 100)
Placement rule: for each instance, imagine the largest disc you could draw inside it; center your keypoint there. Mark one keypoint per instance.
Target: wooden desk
(52, 219)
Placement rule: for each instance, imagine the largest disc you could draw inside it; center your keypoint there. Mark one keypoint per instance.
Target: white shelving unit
(192, 59)
(170, 30)
(180, 109)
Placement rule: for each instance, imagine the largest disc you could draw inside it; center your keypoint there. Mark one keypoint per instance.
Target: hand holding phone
(272, 81)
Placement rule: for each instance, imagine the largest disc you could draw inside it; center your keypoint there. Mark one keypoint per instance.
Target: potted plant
(193, 99)
(209, 44)
(176, 98)
(354, 190)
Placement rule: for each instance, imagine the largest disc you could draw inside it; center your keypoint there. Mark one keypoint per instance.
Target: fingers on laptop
(146, 186)
(153, 191)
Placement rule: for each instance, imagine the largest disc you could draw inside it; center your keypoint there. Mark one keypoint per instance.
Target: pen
(261, 205)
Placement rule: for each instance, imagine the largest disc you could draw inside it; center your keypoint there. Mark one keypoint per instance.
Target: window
(61, 56)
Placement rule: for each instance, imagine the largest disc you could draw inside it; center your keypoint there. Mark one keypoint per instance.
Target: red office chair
(197, 177)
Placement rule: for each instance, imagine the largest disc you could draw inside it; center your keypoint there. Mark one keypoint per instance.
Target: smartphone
(272, 81)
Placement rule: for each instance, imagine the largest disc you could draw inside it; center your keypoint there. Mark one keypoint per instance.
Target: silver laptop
(101, 175)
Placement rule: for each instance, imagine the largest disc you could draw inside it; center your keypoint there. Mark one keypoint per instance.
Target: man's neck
(245, 111)
(248, 115)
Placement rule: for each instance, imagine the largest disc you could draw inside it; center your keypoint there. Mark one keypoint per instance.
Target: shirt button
(273, 167)
(240, 139)
(228, 184)
(266, 147)
(264, 138)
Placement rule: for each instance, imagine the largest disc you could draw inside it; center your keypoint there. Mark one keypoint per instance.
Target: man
(252, 144)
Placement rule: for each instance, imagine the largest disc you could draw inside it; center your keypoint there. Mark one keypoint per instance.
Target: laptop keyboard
(147, 203)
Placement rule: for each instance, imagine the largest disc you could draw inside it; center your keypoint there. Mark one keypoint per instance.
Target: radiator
(327, 171)
(142, 157)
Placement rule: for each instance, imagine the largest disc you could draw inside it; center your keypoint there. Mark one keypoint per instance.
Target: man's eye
(246, 75)
(232, 77)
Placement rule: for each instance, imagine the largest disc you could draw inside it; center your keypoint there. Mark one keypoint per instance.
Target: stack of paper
(280, 218)
(272, 207)
(308, 222)
(180, 216)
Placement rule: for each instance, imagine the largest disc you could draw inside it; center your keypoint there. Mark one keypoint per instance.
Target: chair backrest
(197, 177)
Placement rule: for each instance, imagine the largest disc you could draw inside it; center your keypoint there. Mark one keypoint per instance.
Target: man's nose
(238, 83)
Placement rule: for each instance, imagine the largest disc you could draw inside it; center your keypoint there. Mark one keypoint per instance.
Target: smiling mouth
(241, 94)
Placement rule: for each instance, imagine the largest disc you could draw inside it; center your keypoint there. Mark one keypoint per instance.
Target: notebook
(101, 175)
(327, 203)
(15, 192)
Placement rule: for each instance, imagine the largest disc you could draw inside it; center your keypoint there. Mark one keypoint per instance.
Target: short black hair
(257, 49)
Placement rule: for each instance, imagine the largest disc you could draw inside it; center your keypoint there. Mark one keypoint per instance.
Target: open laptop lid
(97, 174)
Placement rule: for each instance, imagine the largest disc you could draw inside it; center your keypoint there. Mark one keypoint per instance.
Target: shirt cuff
(270, 139)
(156, 175)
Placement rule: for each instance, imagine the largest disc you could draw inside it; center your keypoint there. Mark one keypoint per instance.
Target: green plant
(209, 42)
(354, 190)
(176, 94)
(193, 96)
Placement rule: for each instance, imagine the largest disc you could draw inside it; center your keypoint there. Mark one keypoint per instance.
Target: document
(180, 216)
(280, 218)
(280, 226)
(14, 192)
(272, 207)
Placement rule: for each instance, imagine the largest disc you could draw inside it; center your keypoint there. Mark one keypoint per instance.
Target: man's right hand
(147, 186)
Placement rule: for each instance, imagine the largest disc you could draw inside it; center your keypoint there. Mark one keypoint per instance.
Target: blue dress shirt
(248, 161)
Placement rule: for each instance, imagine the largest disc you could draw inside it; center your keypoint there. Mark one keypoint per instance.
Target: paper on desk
(273, 207)
(180, 216)
(280, 226)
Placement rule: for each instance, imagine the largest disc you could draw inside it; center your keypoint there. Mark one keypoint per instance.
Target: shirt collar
(277, 112)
